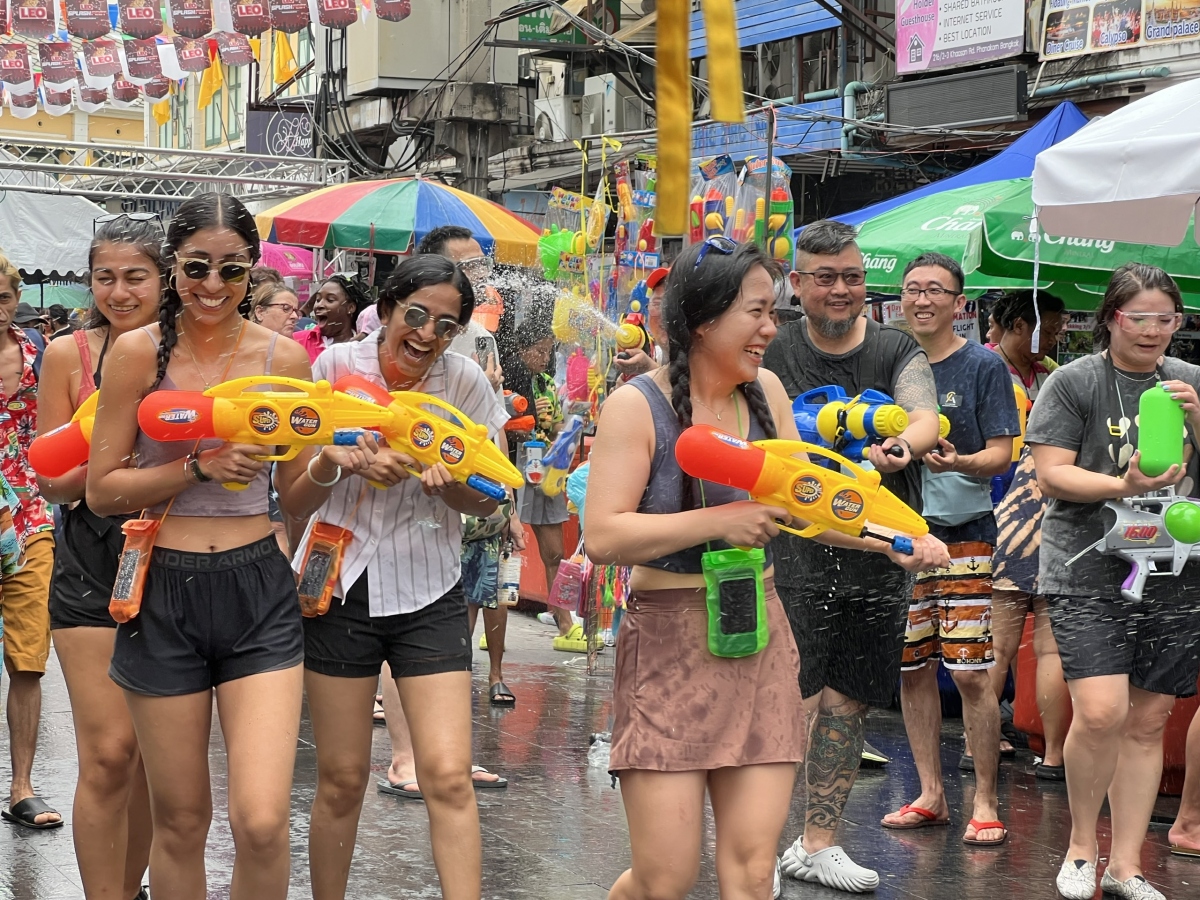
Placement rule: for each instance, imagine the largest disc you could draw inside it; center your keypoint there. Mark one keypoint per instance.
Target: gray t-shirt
(1071, 412)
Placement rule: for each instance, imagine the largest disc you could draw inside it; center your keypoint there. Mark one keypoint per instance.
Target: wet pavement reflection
(558, 832)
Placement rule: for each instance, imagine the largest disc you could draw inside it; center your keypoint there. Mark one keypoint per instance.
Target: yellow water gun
(854, 504)
(242, 411)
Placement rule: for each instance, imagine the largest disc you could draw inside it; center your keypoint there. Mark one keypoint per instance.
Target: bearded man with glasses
(847, 610)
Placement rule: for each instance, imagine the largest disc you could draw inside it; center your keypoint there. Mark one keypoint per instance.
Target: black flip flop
(397, 790)
(499, 694)
(498, 785)
(26, 812)
(1050, 773)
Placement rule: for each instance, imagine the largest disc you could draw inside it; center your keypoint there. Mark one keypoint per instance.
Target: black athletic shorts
(209, 618)
(347, 642)
(86, 551)
(1155, 642)
(848, 612)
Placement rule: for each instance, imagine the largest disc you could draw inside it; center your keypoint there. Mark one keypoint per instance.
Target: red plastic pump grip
(177, 416)
(721, 458)
(57, 452)
(357, 386)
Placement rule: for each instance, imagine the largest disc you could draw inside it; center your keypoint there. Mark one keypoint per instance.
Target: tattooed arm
(916, 392)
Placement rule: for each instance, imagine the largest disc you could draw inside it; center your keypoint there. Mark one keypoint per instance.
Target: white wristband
(324, 484)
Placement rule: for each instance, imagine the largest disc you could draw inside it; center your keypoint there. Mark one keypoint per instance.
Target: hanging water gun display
(240, 411)
(712, 206)
(848, 498)
(564, 240)
(768, 223)
(57, 452)
(556, 462)
(847, 425)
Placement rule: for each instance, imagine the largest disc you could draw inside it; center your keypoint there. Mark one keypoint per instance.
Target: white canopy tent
(1132, 176)
(44, 234)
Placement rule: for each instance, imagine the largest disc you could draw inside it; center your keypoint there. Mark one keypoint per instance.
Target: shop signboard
(1073, 28)
(945, 34)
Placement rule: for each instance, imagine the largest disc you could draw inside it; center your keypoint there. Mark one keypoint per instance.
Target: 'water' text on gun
(1153, 530)
(831, 418)
(57, 452)
(461, 445)
(556, 464)
(825, 498)
(311, 414)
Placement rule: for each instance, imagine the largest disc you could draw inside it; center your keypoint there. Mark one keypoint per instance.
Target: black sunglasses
(415, 318)
(228, 272)
(723, 245)
(131, 216)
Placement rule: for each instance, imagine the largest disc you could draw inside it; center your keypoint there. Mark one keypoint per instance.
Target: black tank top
(664, 490)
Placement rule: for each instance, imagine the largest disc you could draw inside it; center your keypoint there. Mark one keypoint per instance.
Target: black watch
(194, 463)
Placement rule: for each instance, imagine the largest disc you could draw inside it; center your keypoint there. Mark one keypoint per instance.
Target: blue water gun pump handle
(487, 487)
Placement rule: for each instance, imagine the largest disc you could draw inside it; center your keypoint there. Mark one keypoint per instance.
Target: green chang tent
(1003, 248)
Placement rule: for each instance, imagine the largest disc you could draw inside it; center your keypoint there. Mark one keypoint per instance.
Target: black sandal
(500, 695)
(26, 812)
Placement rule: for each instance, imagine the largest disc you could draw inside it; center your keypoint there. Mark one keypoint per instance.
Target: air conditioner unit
(982, 97)
(775, 62)
(611, 108)
(558, 118)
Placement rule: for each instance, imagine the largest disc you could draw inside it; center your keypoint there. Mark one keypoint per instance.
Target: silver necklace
(713, 411)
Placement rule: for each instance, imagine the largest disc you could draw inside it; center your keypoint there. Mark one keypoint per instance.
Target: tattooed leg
(834, 754)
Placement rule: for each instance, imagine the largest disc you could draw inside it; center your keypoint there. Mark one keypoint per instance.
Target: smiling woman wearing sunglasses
(1125, 661)
(400, 598)
(218, 608)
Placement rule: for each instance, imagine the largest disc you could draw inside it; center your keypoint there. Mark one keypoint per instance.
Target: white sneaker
(1135, 888)
(547, 618)
(830, 867)
(1076, 879)
(777, 890)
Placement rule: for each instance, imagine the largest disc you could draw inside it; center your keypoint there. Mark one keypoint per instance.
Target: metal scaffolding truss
(103, 171)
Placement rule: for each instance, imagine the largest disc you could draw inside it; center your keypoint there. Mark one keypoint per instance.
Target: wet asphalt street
(558, 832)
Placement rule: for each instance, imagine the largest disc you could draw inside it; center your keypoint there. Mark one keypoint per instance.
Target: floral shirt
(18, 428)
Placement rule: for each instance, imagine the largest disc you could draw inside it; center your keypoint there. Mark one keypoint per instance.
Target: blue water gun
(556, 464)
(829, 417)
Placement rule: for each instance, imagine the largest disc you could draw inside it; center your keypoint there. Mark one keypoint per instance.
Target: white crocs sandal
(834, 869)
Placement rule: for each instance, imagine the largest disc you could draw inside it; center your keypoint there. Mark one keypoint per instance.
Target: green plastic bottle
(1160, 431)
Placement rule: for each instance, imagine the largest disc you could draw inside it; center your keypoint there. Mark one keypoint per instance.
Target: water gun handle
(1132, 587)
(487, 487)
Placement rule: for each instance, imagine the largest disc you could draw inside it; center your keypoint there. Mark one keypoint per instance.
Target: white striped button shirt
(409, 564)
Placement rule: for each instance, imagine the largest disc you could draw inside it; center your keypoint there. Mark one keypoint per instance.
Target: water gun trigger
(809, 532)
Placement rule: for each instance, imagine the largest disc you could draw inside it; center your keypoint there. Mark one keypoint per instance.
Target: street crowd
(204, 579)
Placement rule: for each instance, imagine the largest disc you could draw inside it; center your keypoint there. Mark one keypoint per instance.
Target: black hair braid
(680, 376)
(756, 399)
(170, 308)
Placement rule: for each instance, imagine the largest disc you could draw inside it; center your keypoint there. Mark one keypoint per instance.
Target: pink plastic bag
(568, 585)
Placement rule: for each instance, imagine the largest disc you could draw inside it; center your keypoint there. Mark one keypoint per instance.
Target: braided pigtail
(680, 377)
(168, 311)
(756, 399)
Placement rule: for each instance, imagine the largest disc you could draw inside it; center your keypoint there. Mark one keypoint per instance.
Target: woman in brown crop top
(686, 721)
(219, 609)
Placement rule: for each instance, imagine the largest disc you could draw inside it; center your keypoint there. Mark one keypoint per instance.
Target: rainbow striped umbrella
(392, 216)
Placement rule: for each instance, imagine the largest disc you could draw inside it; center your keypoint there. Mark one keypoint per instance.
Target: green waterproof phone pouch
(737, 603)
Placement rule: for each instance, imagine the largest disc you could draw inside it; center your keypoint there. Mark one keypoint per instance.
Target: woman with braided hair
(686, 720)
(218, 608)
(335, 307)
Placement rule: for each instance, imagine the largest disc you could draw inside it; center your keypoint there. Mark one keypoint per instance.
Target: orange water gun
(57, 452)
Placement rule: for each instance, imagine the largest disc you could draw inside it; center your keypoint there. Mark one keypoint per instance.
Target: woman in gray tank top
(687, 721)
(219, 610)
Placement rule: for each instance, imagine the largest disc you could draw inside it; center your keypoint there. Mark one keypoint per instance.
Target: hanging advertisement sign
(191, 18)
(141, 59)
(157, 87)
(57, 62)
(100, 58)
(234, 48)
(337, 13)
(33, 18)
(1072, 28)
(14, 64)
(87, 19)
(393, 10)
(124, 93)
(943, 34)
(289, 16)
(140, 18)
(250, 17)
(192, 54)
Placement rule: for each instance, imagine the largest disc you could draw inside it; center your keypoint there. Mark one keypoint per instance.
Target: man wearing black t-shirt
(847, 609)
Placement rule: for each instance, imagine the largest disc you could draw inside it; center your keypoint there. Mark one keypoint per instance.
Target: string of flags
(89, 53)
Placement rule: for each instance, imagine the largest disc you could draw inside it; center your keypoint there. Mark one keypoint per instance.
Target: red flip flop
(928, 819)
(986, 826)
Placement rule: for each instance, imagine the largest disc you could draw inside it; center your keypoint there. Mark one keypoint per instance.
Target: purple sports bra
(209, 499)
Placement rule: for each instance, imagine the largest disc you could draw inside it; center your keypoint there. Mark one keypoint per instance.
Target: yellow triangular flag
(210, 82)
(162, 111)
(284, 59)
(256, 49)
